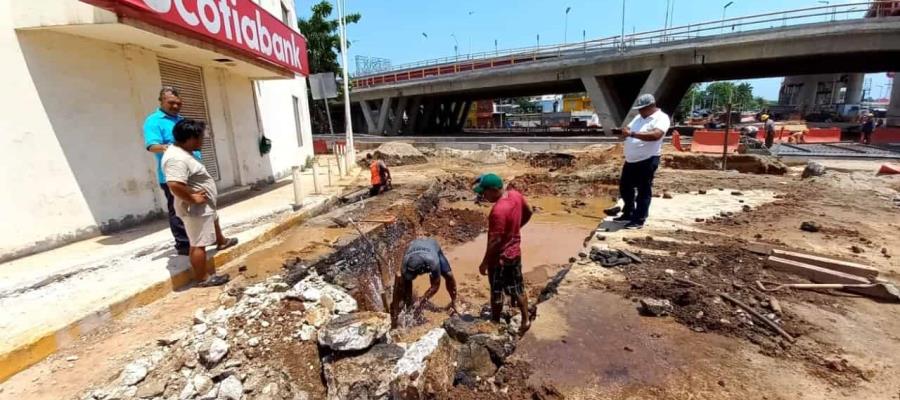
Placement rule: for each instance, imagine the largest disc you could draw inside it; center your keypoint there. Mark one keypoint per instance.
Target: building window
(286, 15)
(297, 121)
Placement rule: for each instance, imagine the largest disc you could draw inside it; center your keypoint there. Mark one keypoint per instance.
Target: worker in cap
(423, 256)
(643, 138)
(769, 126)
(502, 261)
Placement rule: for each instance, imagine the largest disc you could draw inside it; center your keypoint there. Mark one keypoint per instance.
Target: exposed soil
(722, 266)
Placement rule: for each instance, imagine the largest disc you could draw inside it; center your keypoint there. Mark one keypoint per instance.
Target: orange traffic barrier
(885, 135)
(676, 141)
(712, 141)
(889, 169)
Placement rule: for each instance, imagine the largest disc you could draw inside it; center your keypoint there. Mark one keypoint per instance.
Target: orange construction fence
(712, 141)
(885, 135)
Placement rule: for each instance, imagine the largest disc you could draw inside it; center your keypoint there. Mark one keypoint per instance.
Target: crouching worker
(381, 175)
(195, 199)
(423, 256)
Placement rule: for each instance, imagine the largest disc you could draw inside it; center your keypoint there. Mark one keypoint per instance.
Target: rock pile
(308, 341)
(226, 354)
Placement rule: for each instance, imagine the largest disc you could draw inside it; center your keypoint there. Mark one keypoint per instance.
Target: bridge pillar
(367, 114)
(413, 113)
(460, 122)
(606, 102)
(427, 116)
(397, 116)
(383, 115)
(893, 111)
(667, 85)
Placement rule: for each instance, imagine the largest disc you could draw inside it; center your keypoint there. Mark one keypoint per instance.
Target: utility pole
(348, 123)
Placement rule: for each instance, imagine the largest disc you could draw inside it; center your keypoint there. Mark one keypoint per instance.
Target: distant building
(80, 78)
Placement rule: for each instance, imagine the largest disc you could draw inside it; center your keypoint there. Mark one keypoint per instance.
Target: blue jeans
(637, 177)
(175, 223)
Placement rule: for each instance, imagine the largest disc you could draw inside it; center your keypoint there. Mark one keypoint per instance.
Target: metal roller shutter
(188, 79)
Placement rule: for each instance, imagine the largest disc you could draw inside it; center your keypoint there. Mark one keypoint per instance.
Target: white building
(80, 79)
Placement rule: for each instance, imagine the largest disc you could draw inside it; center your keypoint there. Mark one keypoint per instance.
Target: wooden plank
(848, 267)
(825, 275)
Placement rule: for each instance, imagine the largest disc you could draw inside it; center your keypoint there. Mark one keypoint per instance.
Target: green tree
(526, 106)
(323, 44)
(693, 97)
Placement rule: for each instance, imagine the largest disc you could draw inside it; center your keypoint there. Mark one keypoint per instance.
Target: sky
(393, 29)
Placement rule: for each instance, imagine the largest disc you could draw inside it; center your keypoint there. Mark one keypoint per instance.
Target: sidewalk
(51, 298)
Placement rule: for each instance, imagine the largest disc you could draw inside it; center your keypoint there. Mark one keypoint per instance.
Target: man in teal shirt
(157, 138)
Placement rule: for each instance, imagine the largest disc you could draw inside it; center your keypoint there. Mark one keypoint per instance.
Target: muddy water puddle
(555, 233)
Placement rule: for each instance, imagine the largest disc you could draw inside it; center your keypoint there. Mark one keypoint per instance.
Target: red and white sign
(237, 24)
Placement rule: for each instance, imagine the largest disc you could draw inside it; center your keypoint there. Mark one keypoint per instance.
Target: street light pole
(566, 29)
(348, 121)
(623, 25)
(455, 46)
(725, 7)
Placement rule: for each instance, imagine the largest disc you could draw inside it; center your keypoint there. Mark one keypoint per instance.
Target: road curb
(28, 354)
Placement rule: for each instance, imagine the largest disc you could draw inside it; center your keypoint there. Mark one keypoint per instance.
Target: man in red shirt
(503, 258)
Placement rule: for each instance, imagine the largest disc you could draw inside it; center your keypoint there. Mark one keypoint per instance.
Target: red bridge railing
(504, 58)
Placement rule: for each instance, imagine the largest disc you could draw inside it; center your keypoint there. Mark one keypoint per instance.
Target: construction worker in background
(381, 175)
(769, 125)
(867, 127)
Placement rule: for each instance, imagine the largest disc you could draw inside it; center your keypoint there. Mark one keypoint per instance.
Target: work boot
(634, 225)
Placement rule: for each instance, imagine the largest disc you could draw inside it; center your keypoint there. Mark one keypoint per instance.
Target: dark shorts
(507, 278)
(375, 190)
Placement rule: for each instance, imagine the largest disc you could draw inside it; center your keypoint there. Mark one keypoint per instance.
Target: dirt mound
(746, 163)
(551, 160)
(398, 153)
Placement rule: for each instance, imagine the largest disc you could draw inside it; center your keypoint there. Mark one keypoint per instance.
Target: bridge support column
(427, 122)
(397, 116)
(367, 114)
(668, 86)
(460, 121)
(606, 102)
(413, 114)
(383, 115)
(893, 111)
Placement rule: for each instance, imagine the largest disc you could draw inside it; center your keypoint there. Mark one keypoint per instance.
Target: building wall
(76, 164)
(76, 157)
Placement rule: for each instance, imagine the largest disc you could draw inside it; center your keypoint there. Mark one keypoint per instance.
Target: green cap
(488, 181)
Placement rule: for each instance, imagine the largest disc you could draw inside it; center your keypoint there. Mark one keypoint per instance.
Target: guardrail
(501, 58)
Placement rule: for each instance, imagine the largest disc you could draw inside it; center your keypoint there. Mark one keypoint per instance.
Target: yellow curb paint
(28, 354)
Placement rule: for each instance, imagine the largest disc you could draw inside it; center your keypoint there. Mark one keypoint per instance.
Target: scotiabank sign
(237, 24)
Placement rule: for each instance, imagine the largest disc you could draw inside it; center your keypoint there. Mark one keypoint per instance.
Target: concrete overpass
(614, 71)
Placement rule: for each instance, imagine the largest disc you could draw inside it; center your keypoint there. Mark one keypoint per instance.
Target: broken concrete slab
(366, 376)
(460, 328)
(848, 267)
(426, 368)
(356, 331)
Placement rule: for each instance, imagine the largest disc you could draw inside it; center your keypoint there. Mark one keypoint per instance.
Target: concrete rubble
(356, 331)
(210, 359)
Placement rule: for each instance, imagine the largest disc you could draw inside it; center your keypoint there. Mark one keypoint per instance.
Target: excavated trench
(263, 339)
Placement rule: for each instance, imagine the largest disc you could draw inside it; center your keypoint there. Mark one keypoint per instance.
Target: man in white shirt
(195, 199)
(643, 147)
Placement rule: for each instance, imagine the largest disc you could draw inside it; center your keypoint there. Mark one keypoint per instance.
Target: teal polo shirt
(158, 130)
